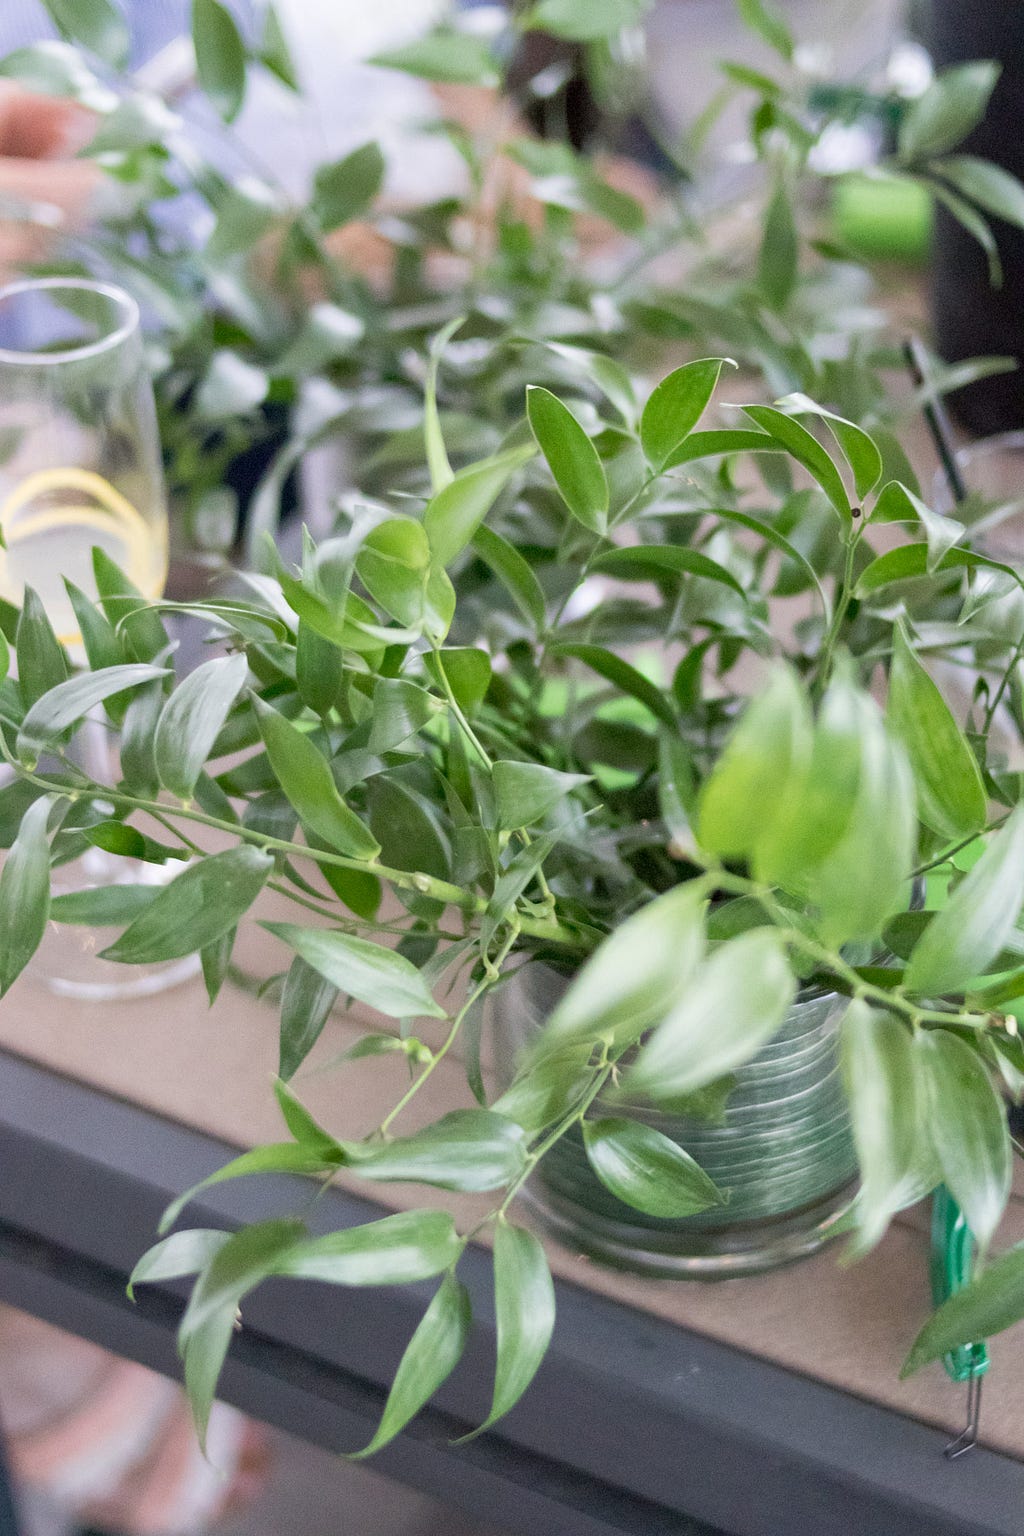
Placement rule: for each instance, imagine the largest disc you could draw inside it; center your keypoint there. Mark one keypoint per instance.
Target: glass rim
(123, 302)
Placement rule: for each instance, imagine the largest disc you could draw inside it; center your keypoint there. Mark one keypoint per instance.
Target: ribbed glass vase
(784, 1151)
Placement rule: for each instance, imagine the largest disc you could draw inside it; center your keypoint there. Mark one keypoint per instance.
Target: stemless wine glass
(80, 469)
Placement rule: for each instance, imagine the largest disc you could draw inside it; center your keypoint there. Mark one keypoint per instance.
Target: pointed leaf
(433, 1353)
(992, 1301)
(183, 1253)
(945, 113)
(42, 660)
(859, 449)
(885, 1094)
(967, 1120)
(806, 449)
(524, 1306)
(66, 703)
(198, 906)
(514, 573)
(646, 562)
(779, 257)
(962, 940)
(571, 456)
(305, 1007)
(192, 719)
(733, 1006)
(468, 1149)
(276, 1157)
(623, 676)
(455, 513)
(897, 504)
(25, 893)
(344, 190)
(524, 793)
(675, 407)
(641, 971)
(220, 57)
(97, 24)
(950, 792)
(102, 906)
(398, 1250)
(646, 1170)
(368, 972)
(305, 777)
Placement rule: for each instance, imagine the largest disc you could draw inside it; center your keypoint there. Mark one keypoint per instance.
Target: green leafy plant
(268, 338)
(496, 736)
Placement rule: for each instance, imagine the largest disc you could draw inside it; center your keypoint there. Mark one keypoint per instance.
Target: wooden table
(764, 1407)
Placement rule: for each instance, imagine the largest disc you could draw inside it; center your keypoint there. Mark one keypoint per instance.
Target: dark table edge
(633, 1424)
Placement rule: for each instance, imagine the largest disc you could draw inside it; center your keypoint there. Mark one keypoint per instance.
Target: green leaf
(675, 407)
(897, 504)
(515, 574)
(97, 24)
(304, 775)
(624, 677)
(806, 449)
(524, 793)
(344, 190)
(584, 23)
(734, 1004)
(967, 1122)
(42, 660)
(992, 1301)
(469, 1149)
(909, 561)
(513, 881)
(129, 843)
(193, 718)
(400, 709)
(709, 445)
(962, 939)
(441, 473)
(277, 1157)
(647, 562)
(102, 906)
(884, 1089)
(640, 972)
(433, 1353)
(198, 906)
(677, 790)
(302, 1125)
(183, 1253)
(986, 184)
(220, 57)
(468, 672)
(231, 386)
(397, 1250)
(24, 893)
(571, 457)
(368, 972)
(215, 959)
(646, 1170)
(237, 1267)
(454, 515)
(945, 113)
(245, 213)
(66, 703)
(768, 24)
(408, 827)
(950, 793)
(446, 56)
(275, 54)
(779, 257)
(101, 644)
(319, 670)
(770, 747)
(305, 1008)
(524, 1306)
(860, 451)
(125, 607)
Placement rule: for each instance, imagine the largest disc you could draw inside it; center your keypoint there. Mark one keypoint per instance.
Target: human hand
(44, 189)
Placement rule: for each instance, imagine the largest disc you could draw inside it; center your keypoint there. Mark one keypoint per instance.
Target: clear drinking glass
(80, 468)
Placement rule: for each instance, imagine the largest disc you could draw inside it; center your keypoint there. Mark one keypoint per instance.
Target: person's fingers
(34, 127)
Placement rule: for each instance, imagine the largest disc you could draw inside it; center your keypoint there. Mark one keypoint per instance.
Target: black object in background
(971, 318)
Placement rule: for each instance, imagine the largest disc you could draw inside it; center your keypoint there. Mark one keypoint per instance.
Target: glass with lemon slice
(79, 469)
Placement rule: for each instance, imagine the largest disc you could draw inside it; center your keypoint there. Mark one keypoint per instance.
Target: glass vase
(783, 1152)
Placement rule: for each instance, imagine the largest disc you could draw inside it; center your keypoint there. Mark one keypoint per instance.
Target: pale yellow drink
(52, 520)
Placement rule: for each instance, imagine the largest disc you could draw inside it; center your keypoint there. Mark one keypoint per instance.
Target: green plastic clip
(952, 1259)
